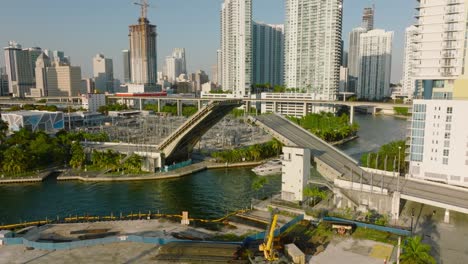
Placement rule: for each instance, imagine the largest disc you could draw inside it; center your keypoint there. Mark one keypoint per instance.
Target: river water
(208, 194)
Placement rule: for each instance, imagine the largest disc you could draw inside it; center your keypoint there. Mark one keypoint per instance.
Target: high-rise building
(439, 141)
(173, 68)
(343, 79)
(368, 18)
(34, 53)
(103, 73)
(268, 54)
(42, 64)
(214, 75)
(353, 57)
(3, 82)
(179, 53)
(440, 47)
(19, 70)
(219, 64)
(312, 50)
(143, 53)
(199, 78)
(127, 66)
(375, 54)
(56, 79)
(236, 46)
(87, 85)
(409, 66)
(57, 56)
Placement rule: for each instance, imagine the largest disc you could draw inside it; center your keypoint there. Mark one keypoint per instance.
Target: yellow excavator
(267, 246)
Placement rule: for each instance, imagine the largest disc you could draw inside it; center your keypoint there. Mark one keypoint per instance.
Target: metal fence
(50, 246)
(177, 166)
(278, 231)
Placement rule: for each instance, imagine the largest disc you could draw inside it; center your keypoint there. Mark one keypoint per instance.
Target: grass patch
(375, 235)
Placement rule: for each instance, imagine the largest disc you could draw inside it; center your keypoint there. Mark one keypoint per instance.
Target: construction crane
(267, 245)
(144, 7)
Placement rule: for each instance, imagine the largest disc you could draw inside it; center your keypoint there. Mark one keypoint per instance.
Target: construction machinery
(266, 247)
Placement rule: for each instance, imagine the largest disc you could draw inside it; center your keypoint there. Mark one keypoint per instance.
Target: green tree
(416, 252)
(314, 193)
(133, 164)
(15, 160)
(3, 130)
(78, 156)
(258, 183)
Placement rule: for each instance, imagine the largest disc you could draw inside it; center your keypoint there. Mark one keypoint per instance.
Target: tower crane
(144, 7)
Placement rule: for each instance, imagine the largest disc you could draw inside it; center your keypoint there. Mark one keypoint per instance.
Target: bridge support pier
(199, 104)
(179, 107)
(447, 216)
(141, 104)
(159, 105)
(275, 107)
(351, 114)
(396, 206)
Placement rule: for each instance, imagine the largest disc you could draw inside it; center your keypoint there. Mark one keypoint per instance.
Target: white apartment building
(353, 57)
(219, 65)
(440, 46)
(92, 101)
(313, 45)
(439, 141)
(268, 54)
(103, 69)
(344, 79)
(409, 66)
(292, 104)
(375, 54)
(295, 173)
(236, 46)
(173, 68)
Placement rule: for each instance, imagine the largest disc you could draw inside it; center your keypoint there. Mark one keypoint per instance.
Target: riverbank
(31, 179)
(178, 173)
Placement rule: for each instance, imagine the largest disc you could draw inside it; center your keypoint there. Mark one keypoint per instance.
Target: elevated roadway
(440, 195)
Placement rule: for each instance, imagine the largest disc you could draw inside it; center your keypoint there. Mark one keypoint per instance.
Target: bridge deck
(455, 198)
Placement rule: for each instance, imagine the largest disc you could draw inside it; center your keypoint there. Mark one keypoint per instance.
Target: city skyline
(199, 34)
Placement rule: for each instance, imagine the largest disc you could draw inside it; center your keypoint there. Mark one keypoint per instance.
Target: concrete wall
(326, 171)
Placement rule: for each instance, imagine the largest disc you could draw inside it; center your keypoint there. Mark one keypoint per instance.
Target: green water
(208, 194)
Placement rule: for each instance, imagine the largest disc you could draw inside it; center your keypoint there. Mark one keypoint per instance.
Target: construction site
(248, 236)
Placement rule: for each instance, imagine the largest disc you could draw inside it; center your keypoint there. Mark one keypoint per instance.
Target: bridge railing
(193, 120)
(187, 124)
(321, 140)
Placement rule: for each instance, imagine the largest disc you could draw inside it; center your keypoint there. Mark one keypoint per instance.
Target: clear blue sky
(82, 28)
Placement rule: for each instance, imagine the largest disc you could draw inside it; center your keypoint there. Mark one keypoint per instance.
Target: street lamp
(399, 153)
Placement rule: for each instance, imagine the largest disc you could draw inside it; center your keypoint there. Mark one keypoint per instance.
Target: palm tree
(258, 183)
(78, 156)
(255, 152)
(416, 252)
(276, 146)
